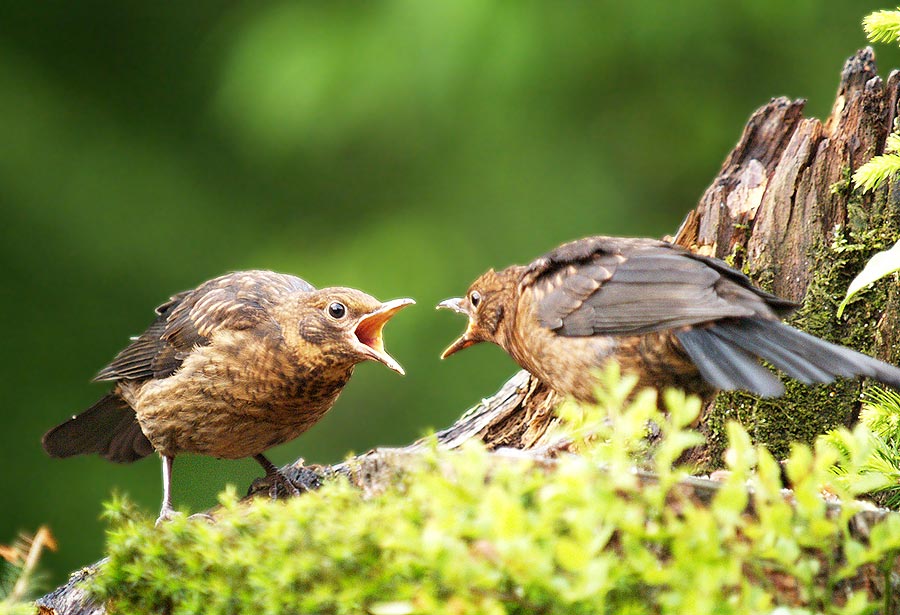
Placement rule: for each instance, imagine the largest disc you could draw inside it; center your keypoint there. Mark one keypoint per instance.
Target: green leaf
(571, 555)
(882, 264)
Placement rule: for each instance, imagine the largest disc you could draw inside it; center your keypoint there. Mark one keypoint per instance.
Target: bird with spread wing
(672, 317)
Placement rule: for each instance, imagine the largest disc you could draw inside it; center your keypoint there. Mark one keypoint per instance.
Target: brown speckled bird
(242, 363)
(673, 318)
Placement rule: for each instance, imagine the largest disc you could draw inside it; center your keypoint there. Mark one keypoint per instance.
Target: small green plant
(881, 168)
(880, 429)
(473, 532)
(883, 26)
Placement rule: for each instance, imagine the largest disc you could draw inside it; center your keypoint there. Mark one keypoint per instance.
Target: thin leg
(277, 477)
(167, 511)
(267, 465)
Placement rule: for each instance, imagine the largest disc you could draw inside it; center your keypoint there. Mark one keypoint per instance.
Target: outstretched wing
(616, 286)
(233, 301)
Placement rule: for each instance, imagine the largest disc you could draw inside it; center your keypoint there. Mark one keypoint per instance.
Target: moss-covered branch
(469, 530)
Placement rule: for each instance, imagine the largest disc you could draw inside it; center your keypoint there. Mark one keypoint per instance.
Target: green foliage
(468, 531)
(8, 575)
(877, 171)
(879, 435)
(883, 26)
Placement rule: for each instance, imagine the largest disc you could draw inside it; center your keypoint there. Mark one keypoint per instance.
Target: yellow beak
(369, 332)
(466, 339)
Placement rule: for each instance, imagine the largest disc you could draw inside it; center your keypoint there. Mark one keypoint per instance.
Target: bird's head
(344, 325)
(486, 304)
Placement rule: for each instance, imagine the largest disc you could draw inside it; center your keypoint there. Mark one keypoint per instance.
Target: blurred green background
(400, 146)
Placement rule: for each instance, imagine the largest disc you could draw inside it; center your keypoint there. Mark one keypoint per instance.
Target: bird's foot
(292, 481)
(286, 484)
(166, 514)
(204, 516)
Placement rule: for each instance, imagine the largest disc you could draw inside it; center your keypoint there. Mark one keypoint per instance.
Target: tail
(726, 354)
(108, 428)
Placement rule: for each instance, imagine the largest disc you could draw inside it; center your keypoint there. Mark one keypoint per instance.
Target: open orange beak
(369, 332)
(466, 339)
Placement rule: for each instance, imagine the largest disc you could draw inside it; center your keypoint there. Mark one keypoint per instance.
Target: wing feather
(233, 301)
(609, 286)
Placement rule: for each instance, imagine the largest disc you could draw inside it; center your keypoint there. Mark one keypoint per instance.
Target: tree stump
(784, 211)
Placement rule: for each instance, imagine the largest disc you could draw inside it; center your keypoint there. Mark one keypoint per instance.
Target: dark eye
(337, 310)
(475, 298)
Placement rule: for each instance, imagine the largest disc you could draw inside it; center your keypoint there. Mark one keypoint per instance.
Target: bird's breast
(228, 403)
(569, 364)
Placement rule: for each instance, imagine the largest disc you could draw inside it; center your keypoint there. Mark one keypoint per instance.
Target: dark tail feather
(108, 428)
(810, 352)
(727, 366)
(798, 354)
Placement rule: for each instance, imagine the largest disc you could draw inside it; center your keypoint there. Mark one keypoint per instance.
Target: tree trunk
(783, 210)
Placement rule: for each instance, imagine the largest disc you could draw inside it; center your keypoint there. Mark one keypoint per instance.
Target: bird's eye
(337, 310)
(475, 298)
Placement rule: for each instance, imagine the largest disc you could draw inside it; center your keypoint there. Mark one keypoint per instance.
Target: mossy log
(782, 209)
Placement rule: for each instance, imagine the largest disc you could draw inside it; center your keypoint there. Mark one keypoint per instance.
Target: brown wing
(611, 286)
(233, 301)
(618, 286)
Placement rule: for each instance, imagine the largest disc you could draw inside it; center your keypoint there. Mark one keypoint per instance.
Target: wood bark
(782, 209)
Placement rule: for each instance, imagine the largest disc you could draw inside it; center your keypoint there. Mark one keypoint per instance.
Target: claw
(279, 479)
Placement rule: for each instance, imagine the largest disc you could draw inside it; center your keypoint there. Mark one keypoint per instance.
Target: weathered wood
(783, 210)
(772, 211)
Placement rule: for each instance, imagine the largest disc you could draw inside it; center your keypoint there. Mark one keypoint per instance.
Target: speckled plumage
(673, 318)
(242, 363)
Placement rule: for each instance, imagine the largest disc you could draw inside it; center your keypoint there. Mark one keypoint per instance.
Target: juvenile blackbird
(242, 363)
(673, 318)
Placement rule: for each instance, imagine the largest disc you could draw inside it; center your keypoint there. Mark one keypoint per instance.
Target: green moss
(738, 253)
(844, 186)
(468, 532)
(805, 412)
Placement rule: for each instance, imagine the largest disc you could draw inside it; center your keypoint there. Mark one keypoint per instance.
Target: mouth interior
(368, 331)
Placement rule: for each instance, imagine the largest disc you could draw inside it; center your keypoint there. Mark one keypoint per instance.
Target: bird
(242, 363)
(673, 318)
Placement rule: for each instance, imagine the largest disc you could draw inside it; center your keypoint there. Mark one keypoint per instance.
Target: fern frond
(875, 172)
(883, 26)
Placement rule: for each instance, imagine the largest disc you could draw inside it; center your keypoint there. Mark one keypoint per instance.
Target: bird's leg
(277, 477)
(167, 512)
